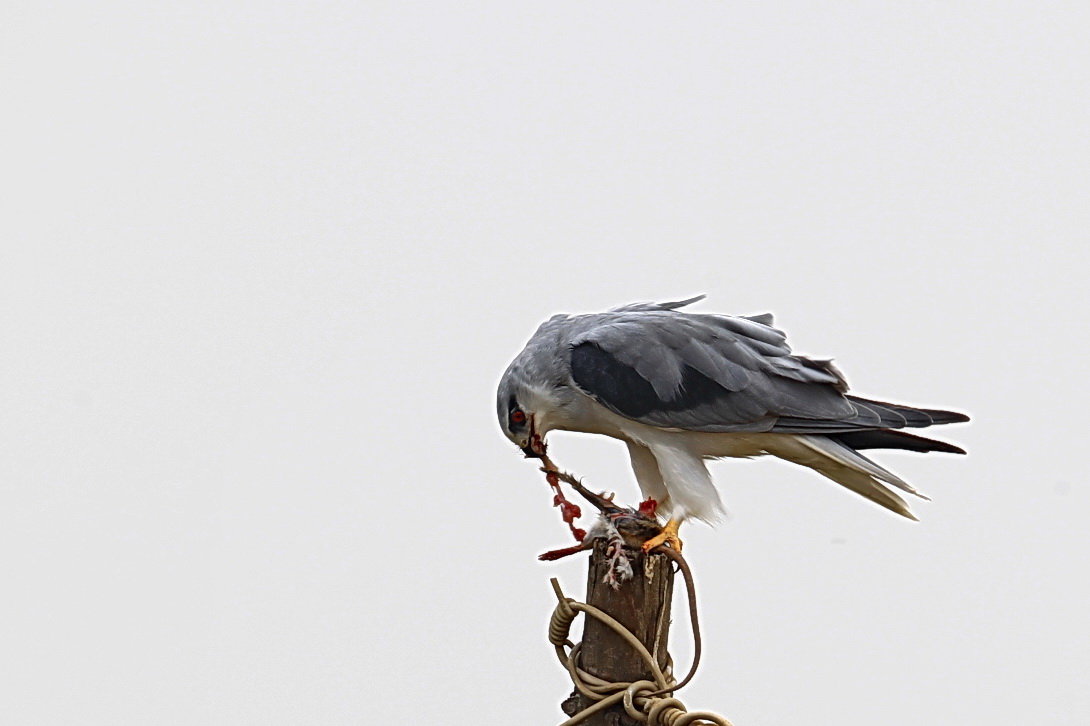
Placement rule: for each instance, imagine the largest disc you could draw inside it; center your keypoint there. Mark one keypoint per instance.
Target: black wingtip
(945, 417)
(892, 439)
(943, 447)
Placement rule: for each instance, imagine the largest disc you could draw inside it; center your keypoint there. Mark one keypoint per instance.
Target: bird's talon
(668, 535)
(660, 539)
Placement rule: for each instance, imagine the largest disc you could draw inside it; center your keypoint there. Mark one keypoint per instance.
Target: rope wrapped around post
(648, 701)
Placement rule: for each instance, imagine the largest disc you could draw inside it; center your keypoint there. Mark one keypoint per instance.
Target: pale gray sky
(263, 263)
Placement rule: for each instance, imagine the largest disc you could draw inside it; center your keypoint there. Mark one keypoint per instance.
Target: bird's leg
(667, 535)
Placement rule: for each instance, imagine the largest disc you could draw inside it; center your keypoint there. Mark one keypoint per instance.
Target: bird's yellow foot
(667, 535)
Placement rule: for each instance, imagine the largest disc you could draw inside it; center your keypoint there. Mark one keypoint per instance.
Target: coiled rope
(647, 701)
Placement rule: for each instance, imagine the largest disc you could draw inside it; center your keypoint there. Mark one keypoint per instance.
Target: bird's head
(530, 405)
(524, 417)
(535, 394)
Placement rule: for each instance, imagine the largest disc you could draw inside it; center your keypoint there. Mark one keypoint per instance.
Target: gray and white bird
(680, 387)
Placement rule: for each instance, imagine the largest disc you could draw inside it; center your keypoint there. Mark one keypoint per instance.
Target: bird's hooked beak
(535, 446)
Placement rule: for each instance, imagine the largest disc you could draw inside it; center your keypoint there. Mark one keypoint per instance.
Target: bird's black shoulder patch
(612, 382)
(623, 389)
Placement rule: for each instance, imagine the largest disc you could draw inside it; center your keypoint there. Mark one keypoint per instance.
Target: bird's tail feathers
(851, 469)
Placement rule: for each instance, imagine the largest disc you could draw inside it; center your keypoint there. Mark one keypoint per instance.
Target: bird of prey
(680, 387)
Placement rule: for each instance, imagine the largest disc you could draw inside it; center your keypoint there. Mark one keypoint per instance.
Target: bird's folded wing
(718, 373)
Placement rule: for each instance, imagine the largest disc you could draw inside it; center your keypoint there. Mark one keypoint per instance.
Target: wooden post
(642, 605)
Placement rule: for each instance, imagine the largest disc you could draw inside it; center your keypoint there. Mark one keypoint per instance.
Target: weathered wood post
(642, 604)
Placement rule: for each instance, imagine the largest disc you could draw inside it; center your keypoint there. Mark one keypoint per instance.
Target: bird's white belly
(714, 445)
(731, 444)
(677, 478)
(599, 420)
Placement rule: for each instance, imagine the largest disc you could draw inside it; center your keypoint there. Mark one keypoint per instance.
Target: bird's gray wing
(718, 373)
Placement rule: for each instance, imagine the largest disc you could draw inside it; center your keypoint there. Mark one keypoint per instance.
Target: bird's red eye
(518, 417)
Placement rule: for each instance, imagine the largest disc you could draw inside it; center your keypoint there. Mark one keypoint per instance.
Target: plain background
(263, 263)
